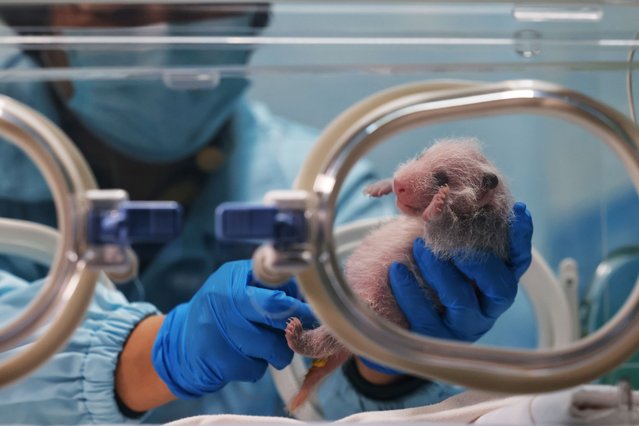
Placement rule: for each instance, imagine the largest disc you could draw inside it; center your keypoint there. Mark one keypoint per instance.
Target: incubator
(548, 89)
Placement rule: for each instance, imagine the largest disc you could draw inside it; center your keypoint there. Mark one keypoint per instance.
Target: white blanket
(584, 405)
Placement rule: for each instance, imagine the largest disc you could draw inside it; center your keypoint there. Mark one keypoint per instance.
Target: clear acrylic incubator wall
(208, 102)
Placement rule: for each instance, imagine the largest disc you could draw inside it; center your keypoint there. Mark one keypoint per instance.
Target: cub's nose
(398, 187)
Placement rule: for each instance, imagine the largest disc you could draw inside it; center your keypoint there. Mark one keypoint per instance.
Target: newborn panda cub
(450, 195)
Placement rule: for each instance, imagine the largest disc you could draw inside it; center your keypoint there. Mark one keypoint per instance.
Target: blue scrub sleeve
(76, 386)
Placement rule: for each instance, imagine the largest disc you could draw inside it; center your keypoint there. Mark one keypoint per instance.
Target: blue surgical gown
(76, 386)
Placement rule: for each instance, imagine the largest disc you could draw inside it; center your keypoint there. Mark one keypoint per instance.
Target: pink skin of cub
(453, 198)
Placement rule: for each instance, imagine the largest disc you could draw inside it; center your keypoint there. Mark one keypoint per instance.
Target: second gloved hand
(229, 331)
(473, 292)
(469, 311)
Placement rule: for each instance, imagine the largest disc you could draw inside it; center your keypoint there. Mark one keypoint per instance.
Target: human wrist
(137, 384)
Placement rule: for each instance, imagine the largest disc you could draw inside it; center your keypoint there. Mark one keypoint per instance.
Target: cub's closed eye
(441, 178)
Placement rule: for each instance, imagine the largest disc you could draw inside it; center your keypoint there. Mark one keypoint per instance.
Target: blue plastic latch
(135, 222)
(257, 223)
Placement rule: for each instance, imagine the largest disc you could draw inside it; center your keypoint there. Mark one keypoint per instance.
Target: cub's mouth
(409, 209)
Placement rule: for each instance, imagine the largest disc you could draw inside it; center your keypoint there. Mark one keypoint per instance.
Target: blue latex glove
(469, 311)
(229, 331)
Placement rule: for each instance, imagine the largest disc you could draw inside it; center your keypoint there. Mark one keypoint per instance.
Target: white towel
(584, 405)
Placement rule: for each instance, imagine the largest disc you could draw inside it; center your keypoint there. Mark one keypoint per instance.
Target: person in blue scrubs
(210, 352)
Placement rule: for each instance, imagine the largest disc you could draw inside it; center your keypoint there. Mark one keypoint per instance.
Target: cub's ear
(489, 182)
(379, 188)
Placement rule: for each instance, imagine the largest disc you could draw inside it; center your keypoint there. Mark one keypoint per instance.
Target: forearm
(136, 383)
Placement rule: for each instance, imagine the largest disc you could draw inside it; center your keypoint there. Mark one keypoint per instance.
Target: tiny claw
(436, 206)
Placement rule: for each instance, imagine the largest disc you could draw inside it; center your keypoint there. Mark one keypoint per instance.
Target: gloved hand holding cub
(473, 292)
(469, 310)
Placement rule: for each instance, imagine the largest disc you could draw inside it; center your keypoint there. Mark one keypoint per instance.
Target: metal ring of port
(68, 289)
(365, 125)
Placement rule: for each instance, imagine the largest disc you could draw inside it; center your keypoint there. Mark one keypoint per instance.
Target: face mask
(147, 118)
